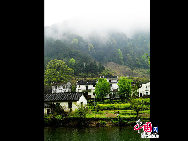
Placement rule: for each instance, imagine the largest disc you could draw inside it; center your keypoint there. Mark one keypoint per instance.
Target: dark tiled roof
(81, 82)
(108, 76)
(62, 97)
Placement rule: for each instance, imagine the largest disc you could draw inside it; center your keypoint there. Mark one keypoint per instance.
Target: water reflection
(92, 134)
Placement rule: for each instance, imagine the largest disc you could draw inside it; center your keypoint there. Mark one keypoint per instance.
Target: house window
(86, 87)
(146, 93)
(109, 80)
(140, 94)
(81, 104)
(48, 111)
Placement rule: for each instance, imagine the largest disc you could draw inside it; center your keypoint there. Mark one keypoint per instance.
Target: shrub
(81, 112)
(58, 117)
(48, 118)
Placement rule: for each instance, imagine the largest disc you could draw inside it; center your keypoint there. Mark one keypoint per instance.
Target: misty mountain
(95, 49)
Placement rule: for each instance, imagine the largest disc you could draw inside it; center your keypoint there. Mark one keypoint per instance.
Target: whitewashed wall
(145, 89)
(81, 88)
(65, 106)
(62, 88)
(114, 86)
(74, 104)
(113, 80)
(82, 99)
(45, 110)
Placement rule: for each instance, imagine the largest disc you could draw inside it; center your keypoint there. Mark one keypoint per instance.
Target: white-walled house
(144, 90)
(89, 86)
(86, 86)
(62, 88)
(69, 101)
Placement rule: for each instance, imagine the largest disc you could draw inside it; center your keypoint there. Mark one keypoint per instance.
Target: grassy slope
(122, 70)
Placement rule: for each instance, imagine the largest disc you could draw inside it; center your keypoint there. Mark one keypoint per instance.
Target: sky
(88, 14)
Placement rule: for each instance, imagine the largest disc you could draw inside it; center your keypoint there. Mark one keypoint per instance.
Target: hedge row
(113, 106)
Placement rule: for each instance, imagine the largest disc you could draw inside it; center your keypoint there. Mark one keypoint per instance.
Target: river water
(92, 134)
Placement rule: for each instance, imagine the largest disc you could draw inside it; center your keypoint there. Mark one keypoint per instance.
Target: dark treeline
(91, 53)
(83, 64)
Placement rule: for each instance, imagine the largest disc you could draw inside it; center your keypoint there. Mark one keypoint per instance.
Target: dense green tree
(47, 89)
(90, 47)
(146, 59)
(106, 72)
(57, 72)
(102, 88)
(100, 67)
(72, 62)
(81, 62)
(136, 105)
(125, 87)
(120, 56)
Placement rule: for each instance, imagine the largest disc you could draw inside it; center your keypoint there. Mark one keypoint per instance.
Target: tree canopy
(102, 88)
(137, 105)
(125, 87)
(117, 48)
(57, 72)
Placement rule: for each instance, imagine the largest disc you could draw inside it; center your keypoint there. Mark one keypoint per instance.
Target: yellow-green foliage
(146, 101)
(113, 106)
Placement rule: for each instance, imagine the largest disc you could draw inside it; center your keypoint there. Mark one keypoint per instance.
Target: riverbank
(91, 122)
(101, 115)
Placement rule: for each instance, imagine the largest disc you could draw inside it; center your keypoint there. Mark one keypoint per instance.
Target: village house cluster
(84, 90)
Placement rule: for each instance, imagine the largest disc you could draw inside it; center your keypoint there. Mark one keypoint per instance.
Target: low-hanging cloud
(99, 16)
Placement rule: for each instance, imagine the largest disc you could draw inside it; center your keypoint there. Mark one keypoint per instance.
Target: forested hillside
(81, 63)
(88, 55)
